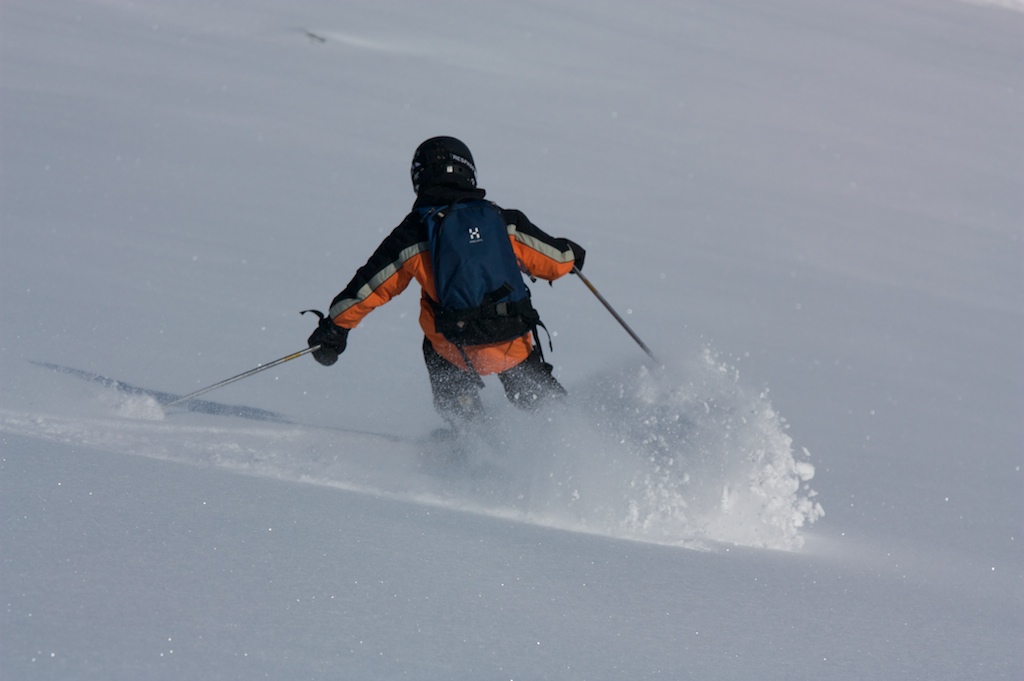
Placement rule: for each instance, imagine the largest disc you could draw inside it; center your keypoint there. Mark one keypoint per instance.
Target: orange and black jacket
(405, 255)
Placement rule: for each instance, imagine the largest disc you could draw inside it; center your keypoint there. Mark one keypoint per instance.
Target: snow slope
(811, 211)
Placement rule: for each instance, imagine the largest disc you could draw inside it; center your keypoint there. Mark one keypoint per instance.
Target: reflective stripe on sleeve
(541, 247)
(382, 275)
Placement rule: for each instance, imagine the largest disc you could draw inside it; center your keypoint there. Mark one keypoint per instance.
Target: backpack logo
(474, 235)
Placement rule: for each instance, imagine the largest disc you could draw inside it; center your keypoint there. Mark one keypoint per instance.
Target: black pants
(528, 385)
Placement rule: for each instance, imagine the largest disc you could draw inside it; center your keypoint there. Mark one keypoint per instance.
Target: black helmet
(442, 161)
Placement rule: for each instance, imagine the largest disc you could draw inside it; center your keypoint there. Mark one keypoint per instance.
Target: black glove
(332, 340)
(579, 252)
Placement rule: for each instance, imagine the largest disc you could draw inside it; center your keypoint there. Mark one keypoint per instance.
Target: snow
(812, 213)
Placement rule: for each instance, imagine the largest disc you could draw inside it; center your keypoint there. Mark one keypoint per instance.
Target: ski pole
(239, 377)
(619, 319)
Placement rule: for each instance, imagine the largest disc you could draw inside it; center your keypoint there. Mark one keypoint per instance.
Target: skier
(444, 179)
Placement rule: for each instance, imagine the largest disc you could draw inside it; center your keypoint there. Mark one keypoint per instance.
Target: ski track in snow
(1015, 5)
(639, 454)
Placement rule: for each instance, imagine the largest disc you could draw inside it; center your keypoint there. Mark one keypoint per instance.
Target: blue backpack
(481, 295)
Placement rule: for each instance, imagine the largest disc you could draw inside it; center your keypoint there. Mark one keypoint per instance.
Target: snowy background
(812, 211)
